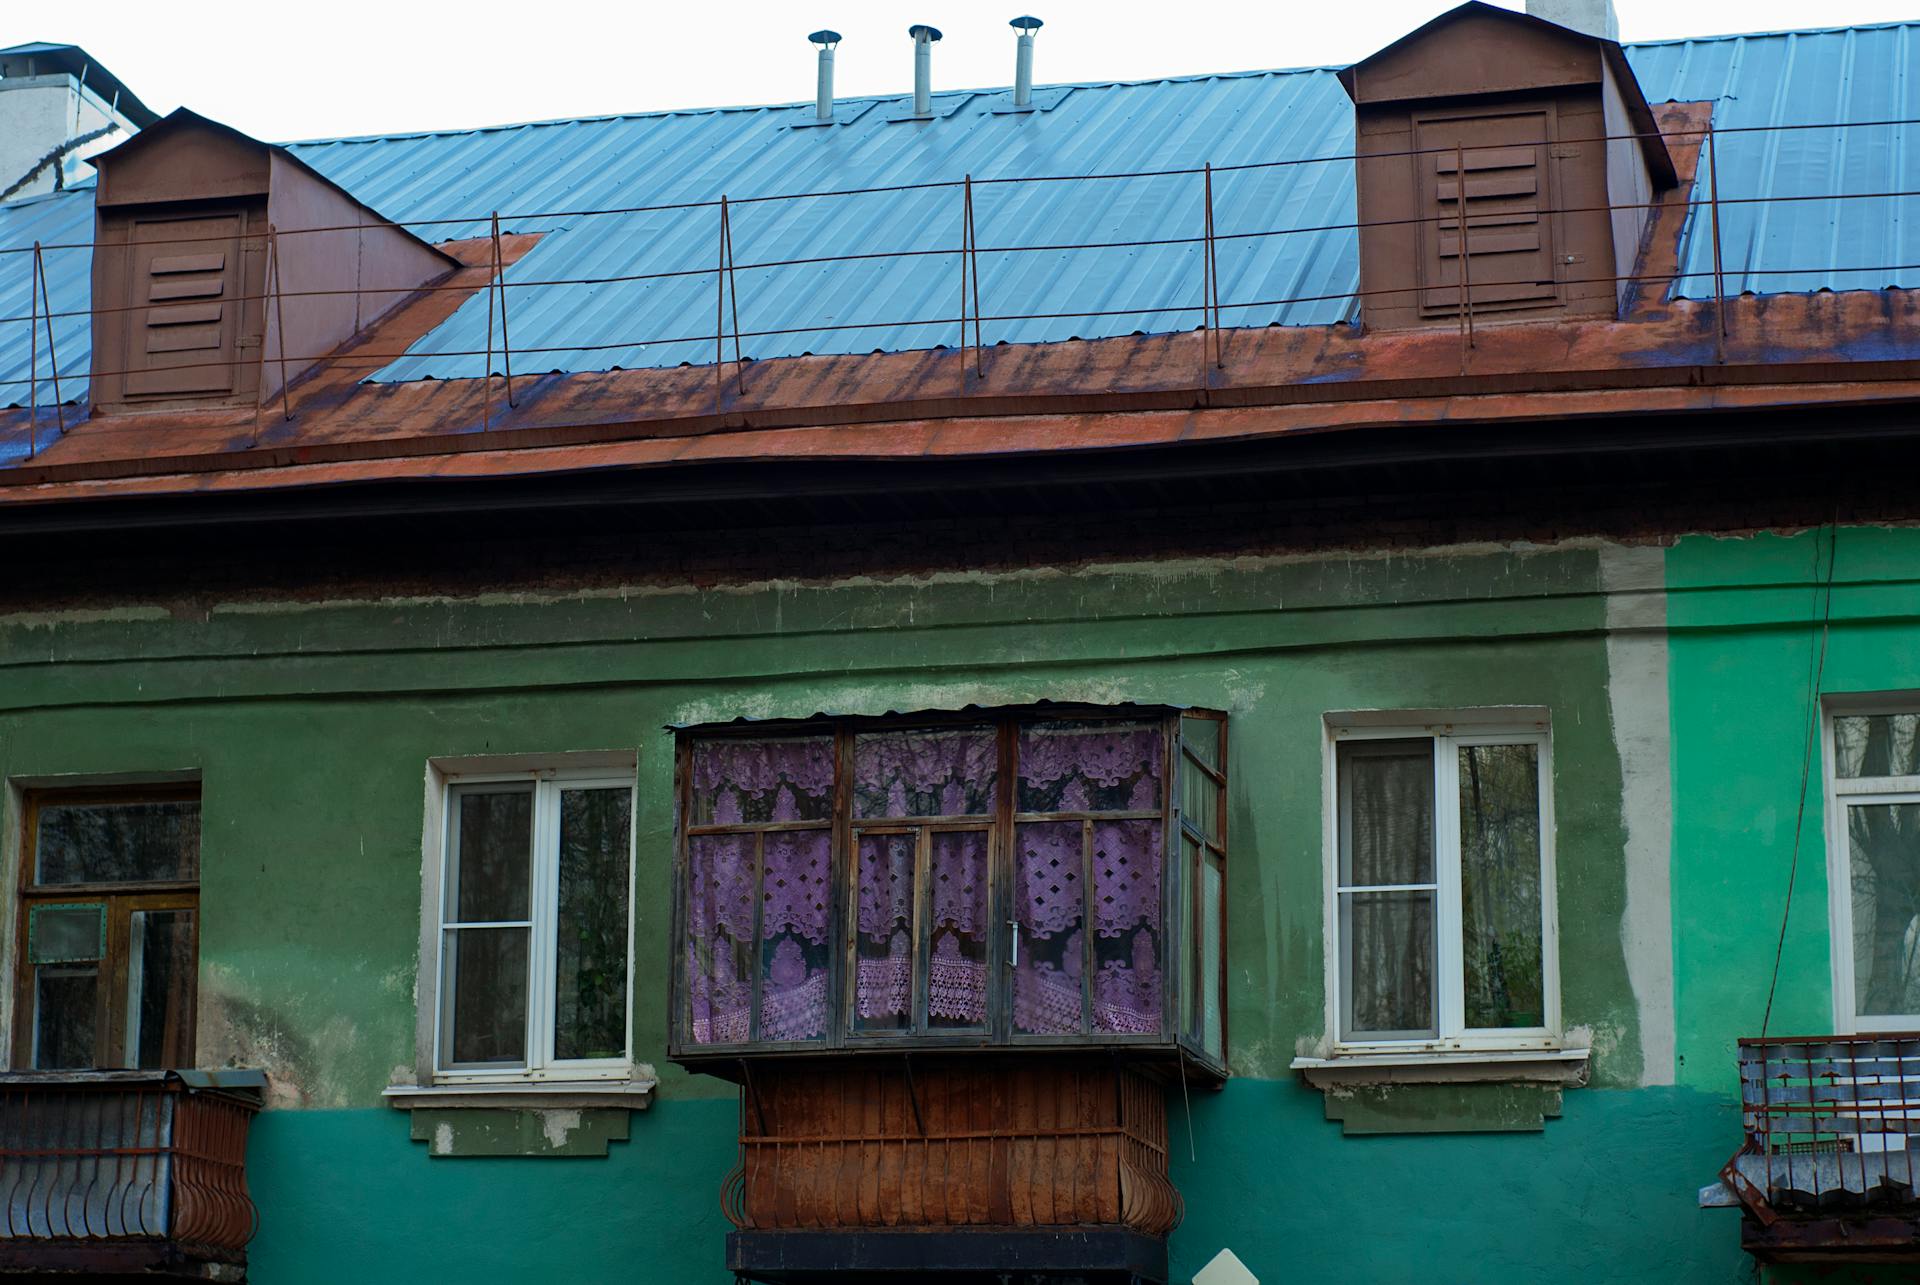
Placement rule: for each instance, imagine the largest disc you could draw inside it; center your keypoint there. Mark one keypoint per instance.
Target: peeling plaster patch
(237, 1030)
(443, 1139)
(903, 698)
(403, 1075)
(1634, 579)
(82, 616)
(558, 1126)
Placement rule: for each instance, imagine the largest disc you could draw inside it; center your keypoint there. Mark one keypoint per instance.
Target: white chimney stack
(823, 85)
(1590, 17)
(923, 38)
(1023, 61)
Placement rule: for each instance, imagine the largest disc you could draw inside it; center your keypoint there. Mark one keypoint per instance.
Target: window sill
(634, 1093)
(1451, 1066)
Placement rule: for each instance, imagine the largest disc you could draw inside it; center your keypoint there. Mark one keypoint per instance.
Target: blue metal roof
(527, 172)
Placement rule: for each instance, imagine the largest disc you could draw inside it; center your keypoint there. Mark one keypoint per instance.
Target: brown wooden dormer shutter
(184, 325)
(1509, 218)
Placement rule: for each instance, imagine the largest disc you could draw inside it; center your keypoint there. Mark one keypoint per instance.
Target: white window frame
(1841, 794)
(1450, 730)
(540, 1066)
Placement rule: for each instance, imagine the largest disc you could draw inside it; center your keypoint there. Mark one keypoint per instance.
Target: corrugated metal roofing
(528, 172)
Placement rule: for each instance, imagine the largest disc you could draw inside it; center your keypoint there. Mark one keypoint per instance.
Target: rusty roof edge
(1627, 380)
(1434, 407)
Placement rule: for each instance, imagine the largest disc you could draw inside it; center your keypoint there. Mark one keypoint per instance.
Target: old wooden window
(1492, 170)
(533, 926)
(109, 929)
(1441, 870)
(1001, 879)
(1873, 783)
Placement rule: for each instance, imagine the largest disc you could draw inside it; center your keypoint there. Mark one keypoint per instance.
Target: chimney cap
(1026, 23)
(824, 37)
(920, 29)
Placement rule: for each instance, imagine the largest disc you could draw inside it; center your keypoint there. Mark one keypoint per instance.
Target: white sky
(280, 70)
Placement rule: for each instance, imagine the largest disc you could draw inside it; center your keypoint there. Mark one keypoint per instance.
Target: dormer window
(1024, 878)
(207, 243)
(1506, 168)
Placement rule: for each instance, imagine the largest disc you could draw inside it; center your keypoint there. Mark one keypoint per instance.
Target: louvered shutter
(1508, 209)
(183, 326)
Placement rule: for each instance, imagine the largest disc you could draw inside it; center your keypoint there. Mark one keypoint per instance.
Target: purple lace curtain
(1049, 905)
(1086, 892)
(720, 936)
(1089, 767)
(793, 934)
(736, 781)
(883, 948)
(1128, 876)
(946, 771)
(957, 969)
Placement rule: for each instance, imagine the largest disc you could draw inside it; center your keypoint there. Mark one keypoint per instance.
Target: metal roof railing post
(1213, 272)
(733, 293)
(1719, 275)
(499, 283)
(972, 252)
(486, 368)
(53, 357)
(1206, 270)
(33, 352)
(279, 319)
(1466, 258)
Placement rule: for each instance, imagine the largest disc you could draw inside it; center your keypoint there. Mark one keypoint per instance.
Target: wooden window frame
(539, 1065)
(1452, 730)
(121, 901)
(1840, 794)
(1177, 948)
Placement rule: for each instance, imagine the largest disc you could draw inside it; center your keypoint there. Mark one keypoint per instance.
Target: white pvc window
(1873, 855)
(534, 928)
(1441, 924)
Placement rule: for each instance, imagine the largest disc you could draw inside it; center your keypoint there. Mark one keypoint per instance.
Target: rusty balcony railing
(1831, 1163)
(108, 1172)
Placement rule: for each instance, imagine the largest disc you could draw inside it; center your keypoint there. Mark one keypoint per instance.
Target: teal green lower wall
(348, 1196)
(1605, 1194)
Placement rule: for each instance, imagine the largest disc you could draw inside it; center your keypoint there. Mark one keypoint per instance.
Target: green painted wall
(310, 725)
(1745, 643)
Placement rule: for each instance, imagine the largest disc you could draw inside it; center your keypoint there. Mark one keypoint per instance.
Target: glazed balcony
(953, 960)
(1830, 1170)
(111, 1174)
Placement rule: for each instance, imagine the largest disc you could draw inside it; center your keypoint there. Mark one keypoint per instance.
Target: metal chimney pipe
(823, 87)
(1023, 60)
(923, 38)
